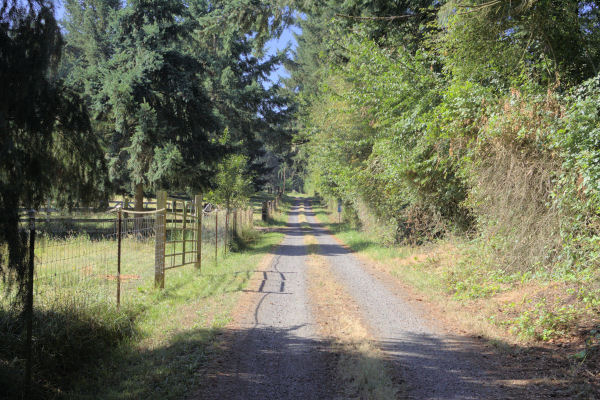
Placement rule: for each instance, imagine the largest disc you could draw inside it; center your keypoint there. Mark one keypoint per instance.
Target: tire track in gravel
(273, 350)
(434, 365)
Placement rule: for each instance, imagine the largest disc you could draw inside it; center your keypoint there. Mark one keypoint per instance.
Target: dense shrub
(417, 156)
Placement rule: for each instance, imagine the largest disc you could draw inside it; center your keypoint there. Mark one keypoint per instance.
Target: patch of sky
(286, 42)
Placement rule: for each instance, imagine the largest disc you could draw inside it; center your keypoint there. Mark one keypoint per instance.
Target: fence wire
(106, 257)
(73, 259)
(77, 259)
(138, 247)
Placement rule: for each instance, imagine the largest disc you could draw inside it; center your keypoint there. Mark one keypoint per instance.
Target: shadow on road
(269, 375)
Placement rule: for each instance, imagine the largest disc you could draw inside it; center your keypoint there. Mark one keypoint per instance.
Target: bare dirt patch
(226, 338)
(124, 277)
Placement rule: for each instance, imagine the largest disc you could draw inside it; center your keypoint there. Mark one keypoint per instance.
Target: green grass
(415, 274)
(153, 347)
(176, 331)
(83, 266)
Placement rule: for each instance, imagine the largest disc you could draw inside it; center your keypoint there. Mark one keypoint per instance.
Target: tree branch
(482, 5)
(384, 18)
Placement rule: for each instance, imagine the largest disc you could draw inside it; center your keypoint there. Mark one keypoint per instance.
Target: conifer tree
(255, 113)
(146, 94)
(47, 148)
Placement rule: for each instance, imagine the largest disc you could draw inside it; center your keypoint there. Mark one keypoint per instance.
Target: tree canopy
(452, 116)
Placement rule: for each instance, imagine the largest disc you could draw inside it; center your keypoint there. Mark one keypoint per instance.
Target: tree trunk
(283, 190)
(139, 197)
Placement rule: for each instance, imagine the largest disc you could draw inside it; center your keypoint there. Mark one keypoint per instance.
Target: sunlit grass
(364, 242)
(487, 301)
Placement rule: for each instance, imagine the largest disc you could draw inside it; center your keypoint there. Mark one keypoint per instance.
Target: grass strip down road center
(360, 365)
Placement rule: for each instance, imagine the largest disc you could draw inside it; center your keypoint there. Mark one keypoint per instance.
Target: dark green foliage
(579, 139)
(165, 79)
(146, 92)
(522, 42)
(256, 118)
(46, 146)
(429, 117)
(260, 19)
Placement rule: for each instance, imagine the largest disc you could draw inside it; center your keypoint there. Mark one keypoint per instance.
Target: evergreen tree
(46, 144)
(255, 113)
(163, 78)
(146, 94)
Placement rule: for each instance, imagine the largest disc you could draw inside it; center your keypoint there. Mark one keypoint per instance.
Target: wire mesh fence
(75, 261)
(108, 257)
(133, 266)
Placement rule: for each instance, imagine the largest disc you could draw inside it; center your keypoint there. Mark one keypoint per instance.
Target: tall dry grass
(512, 197)
(514, 185)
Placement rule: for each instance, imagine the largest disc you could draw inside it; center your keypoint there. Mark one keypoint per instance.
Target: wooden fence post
(183, 228)
(161, 239)
(198, 206)
(125, 206)
(265, 211)
(119, 234)
(216, 235)
(226, 229)
(29, 307)
(235, 222)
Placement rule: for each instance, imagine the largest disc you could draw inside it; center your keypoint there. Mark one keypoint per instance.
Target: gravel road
(434, 365)
(276, 353)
